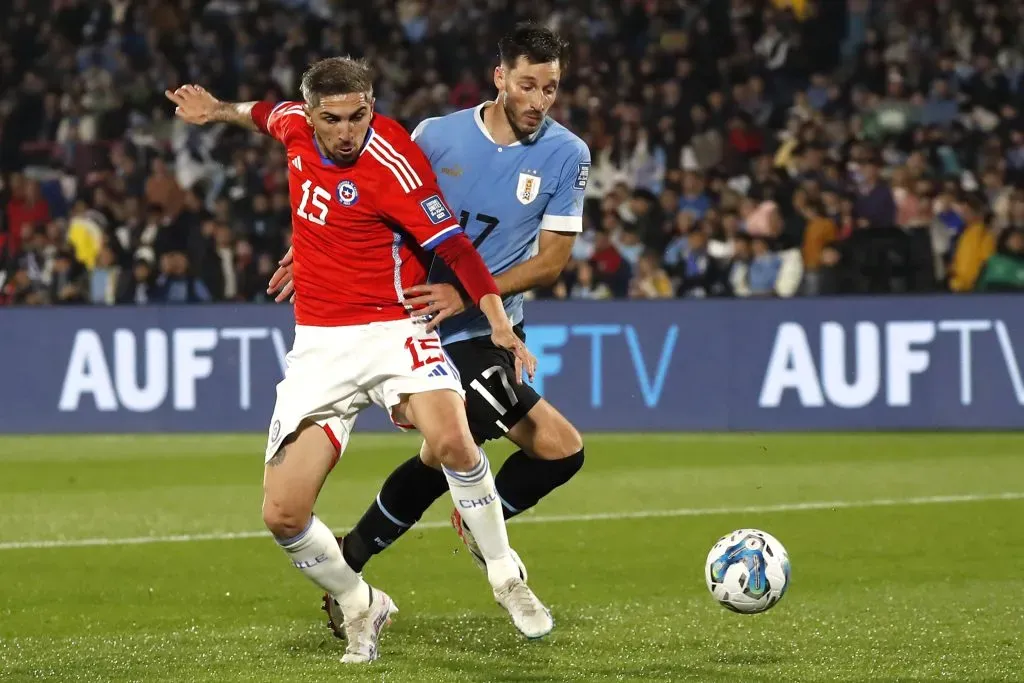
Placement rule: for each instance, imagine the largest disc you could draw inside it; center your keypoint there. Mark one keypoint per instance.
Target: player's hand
(195, 104)
(506, 338)
(439, 300)
(282, 280)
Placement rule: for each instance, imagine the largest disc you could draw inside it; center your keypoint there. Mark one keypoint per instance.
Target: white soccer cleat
(474, 550)
(528, 613)
(363, 630)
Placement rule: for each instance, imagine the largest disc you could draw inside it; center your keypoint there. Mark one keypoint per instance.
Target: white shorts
(333, 373)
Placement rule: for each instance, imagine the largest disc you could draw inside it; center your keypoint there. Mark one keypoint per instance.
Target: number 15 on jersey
(316, 196)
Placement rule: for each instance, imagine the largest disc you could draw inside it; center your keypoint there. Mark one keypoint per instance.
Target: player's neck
(498, 126)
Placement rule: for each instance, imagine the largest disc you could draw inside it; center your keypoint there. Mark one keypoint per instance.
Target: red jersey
(360, 232)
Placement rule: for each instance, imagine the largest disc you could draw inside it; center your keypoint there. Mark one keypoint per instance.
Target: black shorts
(494, 402)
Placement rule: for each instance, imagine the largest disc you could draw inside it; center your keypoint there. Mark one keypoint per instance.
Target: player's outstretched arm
(503, 336)
(554, 249)
(197, 106)
(442, 300)
(464, 260)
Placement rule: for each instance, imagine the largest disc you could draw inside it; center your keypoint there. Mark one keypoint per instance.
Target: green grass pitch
(908, 564)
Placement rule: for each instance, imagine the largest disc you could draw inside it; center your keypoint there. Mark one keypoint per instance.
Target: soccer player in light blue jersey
(516, 180)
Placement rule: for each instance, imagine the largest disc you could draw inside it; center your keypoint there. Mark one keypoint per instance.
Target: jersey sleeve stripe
(375, 153)
(275, 120)
(412, 179)
(562, 223)
(284, 109)
(403, 161)
(441, 236)
(278, 106)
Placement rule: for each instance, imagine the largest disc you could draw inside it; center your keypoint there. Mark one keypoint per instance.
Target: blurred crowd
(768, 148)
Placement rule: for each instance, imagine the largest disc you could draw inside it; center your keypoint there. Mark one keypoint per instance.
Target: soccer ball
(747, 571)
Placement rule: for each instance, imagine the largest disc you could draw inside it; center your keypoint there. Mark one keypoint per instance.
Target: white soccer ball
(747, 571)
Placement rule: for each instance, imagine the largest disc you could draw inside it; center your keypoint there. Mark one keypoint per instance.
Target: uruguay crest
(528, 188)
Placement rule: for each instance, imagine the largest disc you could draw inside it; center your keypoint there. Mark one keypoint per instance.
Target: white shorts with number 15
(333, 373)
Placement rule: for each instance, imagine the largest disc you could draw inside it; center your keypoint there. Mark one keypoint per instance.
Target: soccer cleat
(363, 630)
(474, 550)
(528, 613)
(335, 617)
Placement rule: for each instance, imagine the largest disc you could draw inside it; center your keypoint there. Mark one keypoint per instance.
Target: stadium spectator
(175, 285)
(26, 211)
(163, 191)
(733, 116)
(819, 232)
(974, 246)
(67, 279)
(651, 281)
(587, 286)
(136, 286)
(698, 273)
(104, 278)
(875, 206)
(1004, 270)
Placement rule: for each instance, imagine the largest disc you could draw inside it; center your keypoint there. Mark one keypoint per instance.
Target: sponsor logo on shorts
(275, 431)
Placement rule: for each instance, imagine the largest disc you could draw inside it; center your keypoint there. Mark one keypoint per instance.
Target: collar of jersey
(316, 144)
(478, 116)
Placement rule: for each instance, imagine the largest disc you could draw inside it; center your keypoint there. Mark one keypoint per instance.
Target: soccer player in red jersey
(366, 212)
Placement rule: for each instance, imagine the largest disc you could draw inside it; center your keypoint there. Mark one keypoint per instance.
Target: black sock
(522, 481)
(405, 496)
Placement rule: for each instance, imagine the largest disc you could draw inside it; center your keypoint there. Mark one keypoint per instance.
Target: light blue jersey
(503, 196)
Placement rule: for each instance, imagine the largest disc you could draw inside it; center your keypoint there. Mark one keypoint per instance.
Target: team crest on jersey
(348, 193)
(528, 188)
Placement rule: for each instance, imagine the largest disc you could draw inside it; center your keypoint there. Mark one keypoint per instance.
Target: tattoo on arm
(238, 113)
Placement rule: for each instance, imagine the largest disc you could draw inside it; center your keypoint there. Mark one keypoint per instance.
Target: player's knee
(572, 441)
(558, 442)
(285, 519)
(429, 458)
(455, 451)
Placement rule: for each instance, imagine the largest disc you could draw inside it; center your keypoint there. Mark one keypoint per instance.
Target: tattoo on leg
(278, 457)
(282, 452)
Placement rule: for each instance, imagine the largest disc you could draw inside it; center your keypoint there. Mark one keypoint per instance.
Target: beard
(510, 114)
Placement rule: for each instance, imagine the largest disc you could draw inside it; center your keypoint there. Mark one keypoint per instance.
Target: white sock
(316, 554)
(477, 501)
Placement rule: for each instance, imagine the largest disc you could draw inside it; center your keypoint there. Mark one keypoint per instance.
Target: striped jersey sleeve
(276, 120)
(415, 201)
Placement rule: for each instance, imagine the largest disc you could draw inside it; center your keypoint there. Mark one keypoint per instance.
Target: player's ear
(499, 77)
